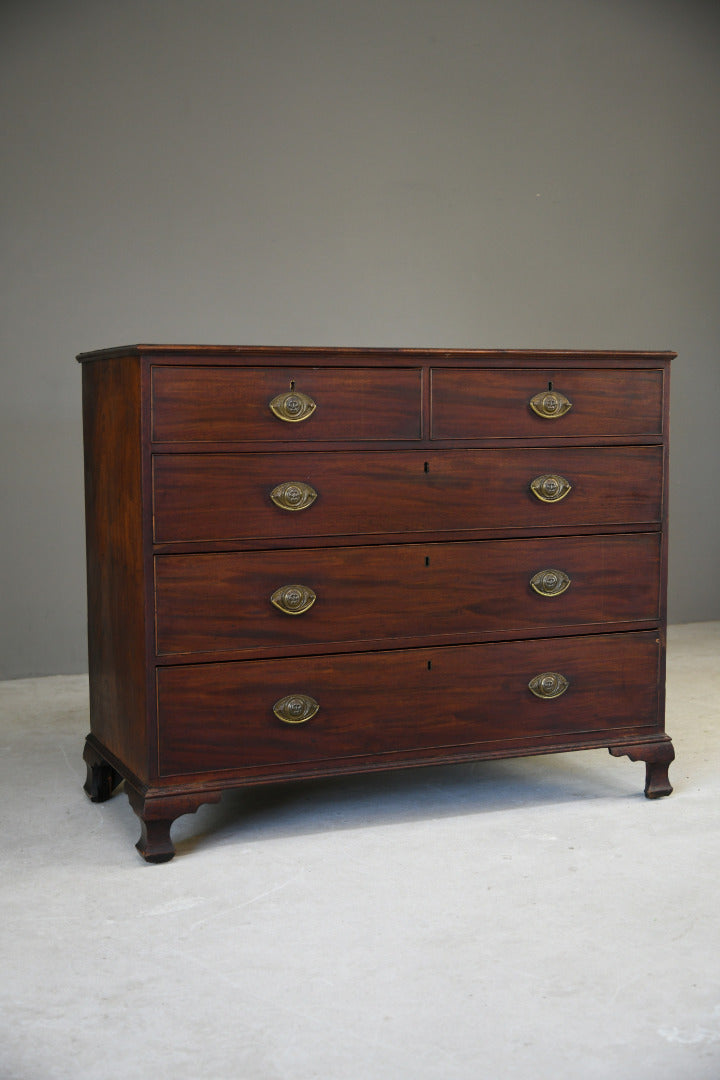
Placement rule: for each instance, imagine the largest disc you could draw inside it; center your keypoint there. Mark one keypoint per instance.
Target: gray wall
(358, 172)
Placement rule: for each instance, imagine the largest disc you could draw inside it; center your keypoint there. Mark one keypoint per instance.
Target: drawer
(224, 601)
(206, 497)
(221, 716)
(233, 404)
(496, 402)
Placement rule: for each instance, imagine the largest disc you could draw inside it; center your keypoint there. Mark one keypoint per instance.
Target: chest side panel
(112, 423)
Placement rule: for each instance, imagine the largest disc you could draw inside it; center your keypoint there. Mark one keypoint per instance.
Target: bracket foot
(658, 757)
(101, 779)
(157, 814)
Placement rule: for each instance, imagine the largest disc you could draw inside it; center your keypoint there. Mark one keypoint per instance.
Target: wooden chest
(308, 562)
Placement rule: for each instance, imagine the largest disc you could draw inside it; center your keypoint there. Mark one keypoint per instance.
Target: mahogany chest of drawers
(308, 562)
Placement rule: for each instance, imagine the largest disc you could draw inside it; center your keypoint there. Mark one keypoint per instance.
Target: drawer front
(233, 404)
(227, 497)
(221, 716)
(220, 602)
(496, 402)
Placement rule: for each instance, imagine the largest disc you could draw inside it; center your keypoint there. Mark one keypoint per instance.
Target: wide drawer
(206, 497)
(221, 716)
(233, 404)
(256, 600)
(537, 402)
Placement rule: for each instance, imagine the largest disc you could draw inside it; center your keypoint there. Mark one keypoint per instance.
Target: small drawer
(269, 713)
(207, 497)
(537, 402)
(259, 600)
(275, 404)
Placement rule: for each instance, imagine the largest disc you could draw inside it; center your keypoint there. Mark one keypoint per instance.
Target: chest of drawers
(310, 562)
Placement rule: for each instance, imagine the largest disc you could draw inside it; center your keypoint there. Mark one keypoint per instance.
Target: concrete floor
(526, 919)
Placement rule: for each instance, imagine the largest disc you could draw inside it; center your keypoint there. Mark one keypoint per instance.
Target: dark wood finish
(496, 402)
(425, 632)
(221, 602)
(102, 778)
(157, 814)
(402, 700)
(658, 756)
(331, 355)
(230, 404)
(115, 564)
(227, 496)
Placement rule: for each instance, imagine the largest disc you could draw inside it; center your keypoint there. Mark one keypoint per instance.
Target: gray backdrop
(346, 172)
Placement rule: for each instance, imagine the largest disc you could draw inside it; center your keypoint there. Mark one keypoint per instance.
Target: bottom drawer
(220, 716)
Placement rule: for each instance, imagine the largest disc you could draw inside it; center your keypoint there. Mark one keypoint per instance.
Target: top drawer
(469, 403)
(233, 404)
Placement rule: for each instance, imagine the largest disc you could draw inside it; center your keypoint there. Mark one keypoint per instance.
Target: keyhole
(292, 384)
(427, 466)
(427, 560)
(550, 385)
(429, 665)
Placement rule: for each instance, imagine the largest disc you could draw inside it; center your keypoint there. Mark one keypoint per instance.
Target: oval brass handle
(295, 708)
(550, 487)
(293, 406)
(549, 404)
(550, 582)
(548, 685)
(293, 599)
(293, 495)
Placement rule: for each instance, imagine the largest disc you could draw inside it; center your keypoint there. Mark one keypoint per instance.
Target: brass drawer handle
(549, 404)
(293, 599)
(293, 495)
(550, 487)
(293, 406)
(295, 708)
(549, 685)
(550, 582)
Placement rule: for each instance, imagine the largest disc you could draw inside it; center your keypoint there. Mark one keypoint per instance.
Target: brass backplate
(550, 487)
(548, 685)
(293, 406)
(295, 708)
(293, 599)
(293, 495)
(550, 405)
(550, 582)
